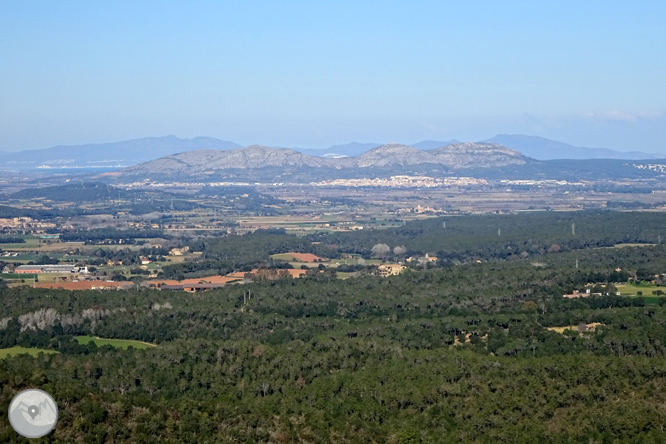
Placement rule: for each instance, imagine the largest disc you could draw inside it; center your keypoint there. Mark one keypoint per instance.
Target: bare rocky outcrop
(477, 155)
(454, 156)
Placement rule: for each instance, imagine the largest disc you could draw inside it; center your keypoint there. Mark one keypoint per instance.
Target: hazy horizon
(323, 148)
(311, 75)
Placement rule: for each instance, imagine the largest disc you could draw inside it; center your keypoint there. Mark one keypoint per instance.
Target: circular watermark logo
(33, 413)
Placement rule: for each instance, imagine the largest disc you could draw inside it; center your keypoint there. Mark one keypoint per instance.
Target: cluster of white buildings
(549, 182)
(659, 167)
(402, 182)
(40, 269)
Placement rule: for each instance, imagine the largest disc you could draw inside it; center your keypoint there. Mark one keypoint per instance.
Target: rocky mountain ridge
(455, 156)
(115, 155)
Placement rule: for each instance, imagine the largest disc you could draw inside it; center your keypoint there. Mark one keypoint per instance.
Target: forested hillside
(501, 236)
(467, 352)
(452, 239)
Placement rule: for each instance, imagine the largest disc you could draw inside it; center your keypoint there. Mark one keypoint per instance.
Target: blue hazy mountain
(546, 149)
(352, 149)
(110, 155)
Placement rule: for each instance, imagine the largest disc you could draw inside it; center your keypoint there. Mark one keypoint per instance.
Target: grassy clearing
(633, 245)
(21, 258)
(632, 289)
(117, 343)
(283, 257)
(17, 276)
(344, 275)
(6, 352)
(355, 261)
(560, 330)
(30, 243)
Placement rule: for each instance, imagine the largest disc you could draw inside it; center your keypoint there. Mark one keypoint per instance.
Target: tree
(381, 251)
(399, 251)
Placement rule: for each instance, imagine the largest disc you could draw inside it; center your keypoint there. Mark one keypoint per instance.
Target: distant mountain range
(391, 156)
(546, 149)
(281, 165)
(112, 155)
(116, 155)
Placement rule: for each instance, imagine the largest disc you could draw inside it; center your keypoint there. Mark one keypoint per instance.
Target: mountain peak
(393, 154)
(476, 147)
(478, 155)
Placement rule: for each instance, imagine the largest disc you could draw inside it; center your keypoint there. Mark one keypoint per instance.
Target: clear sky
(316, 73)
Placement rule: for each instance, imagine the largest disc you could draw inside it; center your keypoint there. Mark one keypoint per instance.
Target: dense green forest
(453, 239)
(11, 240)
(461, 353)
(502, 236)
(109, 234)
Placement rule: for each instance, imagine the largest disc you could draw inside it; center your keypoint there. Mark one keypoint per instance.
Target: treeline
(11, 240)
(455, 239)
(102, 234)
(505, 236)
(7, 211)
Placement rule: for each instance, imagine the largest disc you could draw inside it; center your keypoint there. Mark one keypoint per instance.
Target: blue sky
(317, 73)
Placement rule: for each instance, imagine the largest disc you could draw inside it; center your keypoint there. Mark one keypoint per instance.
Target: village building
(39, 269)
(387, 270)
(578, 294)
(179, 251)
(191, 288)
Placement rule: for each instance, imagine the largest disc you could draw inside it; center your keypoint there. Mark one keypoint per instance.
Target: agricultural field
(646, 289)
(345, 275)
(356, 261)
(17, 350)
(116, 343)
(12, 276)
(21, 258)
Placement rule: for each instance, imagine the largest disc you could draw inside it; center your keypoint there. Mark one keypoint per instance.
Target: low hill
(75, 192)
(109, 155)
